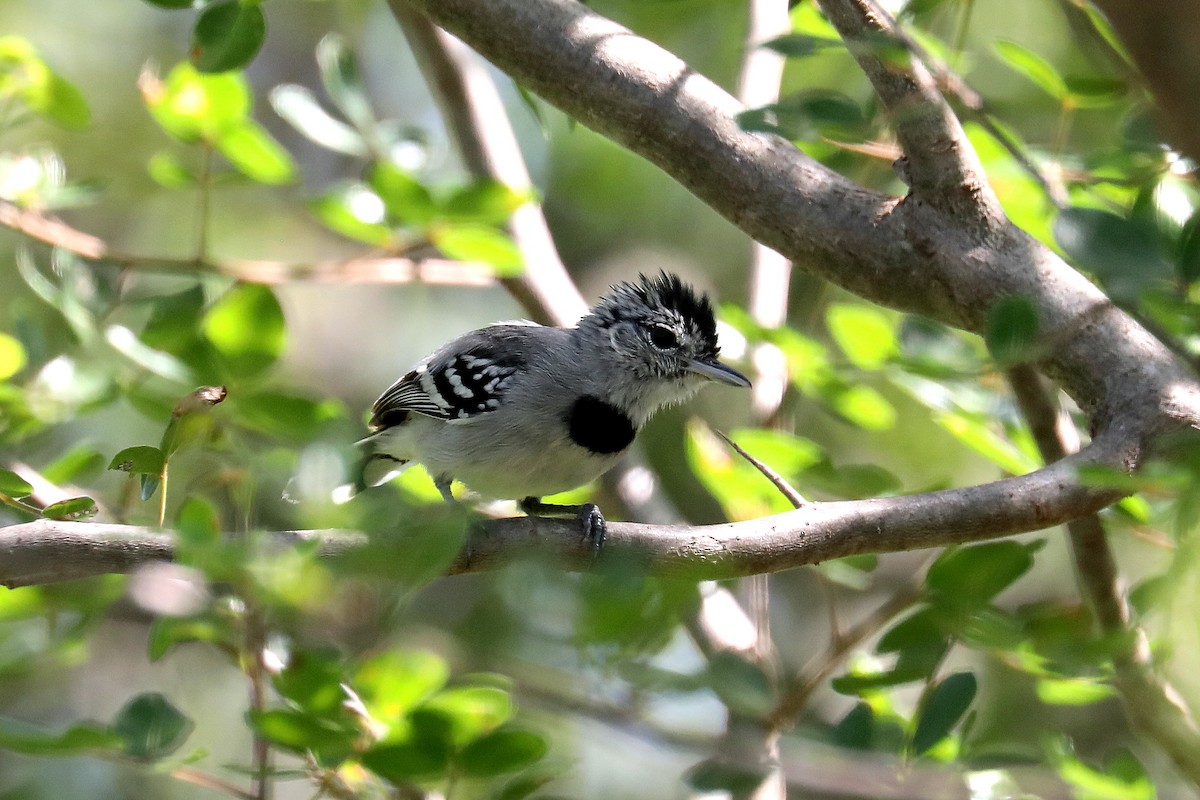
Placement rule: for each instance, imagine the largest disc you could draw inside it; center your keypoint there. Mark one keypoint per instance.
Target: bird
(518, 410)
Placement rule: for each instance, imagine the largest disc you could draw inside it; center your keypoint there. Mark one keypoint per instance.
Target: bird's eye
(663, 337)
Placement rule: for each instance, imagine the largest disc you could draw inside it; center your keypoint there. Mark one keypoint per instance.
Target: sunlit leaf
(467, 242)
(1033, 67)
(191, 106)
(340, 76)
(76, 508)
(169, 171)
(26, 75)
(300, 108)
(394, 682)
(469, 711)
(81, 738)
(14, 485)
(300, 732)
(866, 335)
(246, 326)
(1073, 691)
(255, 153)
(860, 405)
(81, 462)
(486, 202)
(354, 211)
(139, 459)
(406, 200)
(227, 35)
(977, 434)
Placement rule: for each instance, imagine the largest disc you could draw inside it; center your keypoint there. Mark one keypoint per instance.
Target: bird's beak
(716, 371)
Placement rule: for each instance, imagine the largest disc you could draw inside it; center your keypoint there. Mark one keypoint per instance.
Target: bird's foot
(592, 522)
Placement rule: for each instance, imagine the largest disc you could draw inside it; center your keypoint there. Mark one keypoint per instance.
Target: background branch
(1152, 704)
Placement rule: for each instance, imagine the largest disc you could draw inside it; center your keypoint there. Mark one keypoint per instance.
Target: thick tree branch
(910, 255)
(44, 551)
(1163, 38)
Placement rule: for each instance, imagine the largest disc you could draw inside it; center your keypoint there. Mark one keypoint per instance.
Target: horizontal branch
(45, 550)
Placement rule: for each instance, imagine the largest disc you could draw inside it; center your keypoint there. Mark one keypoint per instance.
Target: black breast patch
(599, 426)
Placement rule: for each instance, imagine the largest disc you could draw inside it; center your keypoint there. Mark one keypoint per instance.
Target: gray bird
(518, 410)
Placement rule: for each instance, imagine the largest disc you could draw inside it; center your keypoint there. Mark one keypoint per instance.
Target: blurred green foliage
(371, 672)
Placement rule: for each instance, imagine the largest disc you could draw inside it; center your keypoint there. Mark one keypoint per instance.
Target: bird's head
(662, 334)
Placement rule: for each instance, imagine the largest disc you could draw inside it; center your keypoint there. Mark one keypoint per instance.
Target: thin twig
(197, 777)
(786, 489)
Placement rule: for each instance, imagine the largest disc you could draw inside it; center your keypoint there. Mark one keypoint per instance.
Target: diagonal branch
(942, 168)
(1152, 704)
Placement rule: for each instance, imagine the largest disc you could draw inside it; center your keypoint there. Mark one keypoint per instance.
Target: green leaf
(1033, 67)
(151, 727)
(82, 462)
(172, 4)
(76, 508)
(301, 109)
(406, 200)
(866, 335)
(490, 246)
(943, 708)
(24, 74)
(166, 632)
(286, 416)
(738, 780)
(523, 786)
(394, 682)
(168, 171)
(255, 154)
(469, 711)
(1012, 329)
(339, 74)
(1124, 254)
(741, 684)
(1125, 779)
(809, 116)
(191, 106)
(140, 459)
(503, 750)
(976, 433)
(1073, 691)
(228, 35)
(1187, 261)
(312, 680)
(246, 327)
(12, 356)
(970, 576)
(486, 202)
(14, 485)
(799, 45)
(403, 762)
(84, 737)
(300, 732)
(355, 212)
(859, 405)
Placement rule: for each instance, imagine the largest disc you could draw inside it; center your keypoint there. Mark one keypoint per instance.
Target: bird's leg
(442, 482)
(595, 528)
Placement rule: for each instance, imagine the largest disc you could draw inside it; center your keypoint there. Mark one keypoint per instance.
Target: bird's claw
(595, 527)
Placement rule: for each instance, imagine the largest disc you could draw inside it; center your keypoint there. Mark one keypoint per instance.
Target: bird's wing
(461, 381)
